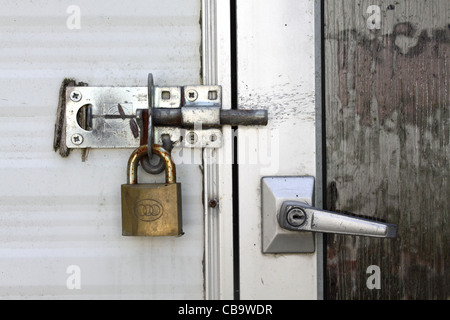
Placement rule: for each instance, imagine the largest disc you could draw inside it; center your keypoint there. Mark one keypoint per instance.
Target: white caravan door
(60, 217)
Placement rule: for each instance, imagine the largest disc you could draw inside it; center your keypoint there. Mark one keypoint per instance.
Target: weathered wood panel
(387, 95)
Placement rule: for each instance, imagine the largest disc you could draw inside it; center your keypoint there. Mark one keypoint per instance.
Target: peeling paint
(412, 63)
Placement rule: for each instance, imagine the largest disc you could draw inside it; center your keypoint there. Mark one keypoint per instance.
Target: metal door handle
(299, 216)
(287, 207)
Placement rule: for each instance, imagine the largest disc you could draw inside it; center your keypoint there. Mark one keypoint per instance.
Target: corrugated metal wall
(55, 212)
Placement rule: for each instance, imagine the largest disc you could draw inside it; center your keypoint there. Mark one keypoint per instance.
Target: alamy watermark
(374, 280)
(259, 147)
(374, 20)
(73, 281)
(73, 21)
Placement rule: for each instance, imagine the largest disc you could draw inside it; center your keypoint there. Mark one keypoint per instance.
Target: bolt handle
(299, 216)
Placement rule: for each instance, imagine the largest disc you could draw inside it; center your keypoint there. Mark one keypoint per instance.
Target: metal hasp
(128, 117)
(287, 208)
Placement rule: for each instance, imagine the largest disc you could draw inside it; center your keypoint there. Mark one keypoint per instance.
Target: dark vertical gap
(235, 167)
(324, 143)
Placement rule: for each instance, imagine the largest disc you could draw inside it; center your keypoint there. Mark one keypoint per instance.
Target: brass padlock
(151, 209)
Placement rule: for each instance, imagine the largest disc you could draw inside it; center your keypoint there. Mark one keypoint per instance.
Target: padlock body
(151, 209)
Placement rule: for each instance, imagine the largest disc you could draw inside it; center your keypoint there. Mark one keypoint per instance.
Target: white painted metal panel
(55, 212)
(276, 71)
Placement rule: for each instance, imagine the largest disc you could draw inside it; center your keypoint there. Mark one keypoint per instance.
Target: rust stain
(121, 112)
(134, 128)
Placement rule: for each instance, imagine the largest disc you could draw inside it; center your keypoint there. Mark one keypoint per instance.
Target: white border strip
(217, 181)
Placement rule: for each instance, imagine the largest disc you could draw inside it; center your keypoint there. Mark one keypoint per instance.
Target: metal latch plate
(115, 116)
(274, 191)
(113, 112)
(201, 107)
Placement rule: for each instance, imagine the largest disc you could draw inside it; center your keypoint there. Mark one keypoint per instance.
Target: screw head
(75, 96)
(295, 216)
(213, 203)
(77, 139)
(191, 95)
(191, 137)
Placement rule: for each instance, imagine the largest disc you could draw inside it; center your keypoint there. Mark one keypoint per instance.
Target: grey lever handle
(299, 216)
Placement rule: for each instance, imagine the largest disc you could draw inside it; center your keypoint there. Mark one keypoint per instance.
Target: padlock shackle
(141, 152)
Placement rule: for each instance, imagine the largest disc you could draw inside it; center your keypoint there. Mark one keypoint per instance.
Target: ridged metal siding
(56, 212)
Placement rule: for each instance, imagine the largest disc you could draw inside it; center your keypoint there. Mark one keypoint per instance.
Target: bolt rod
(172, 117)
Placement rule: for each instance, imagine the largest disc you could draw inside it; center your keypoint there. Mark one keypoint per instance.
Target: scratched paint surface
(387, 131)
